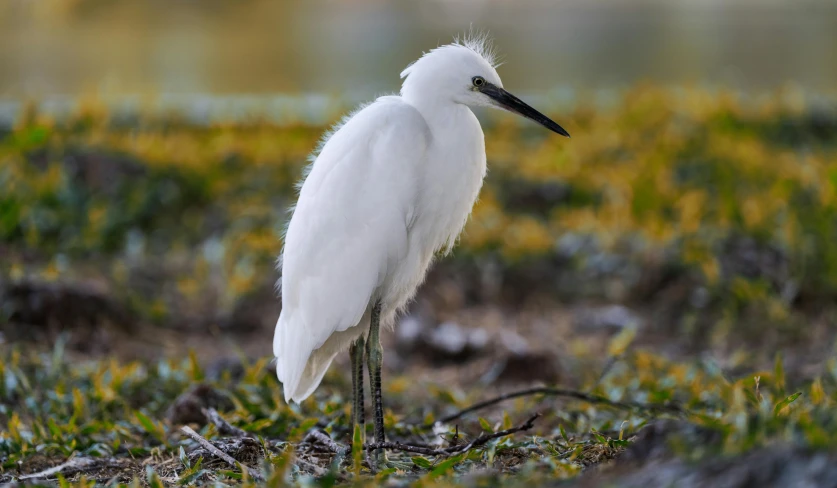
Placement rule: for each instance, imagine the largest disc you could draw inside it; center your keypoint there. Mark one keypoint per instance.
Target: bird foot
(379, 460)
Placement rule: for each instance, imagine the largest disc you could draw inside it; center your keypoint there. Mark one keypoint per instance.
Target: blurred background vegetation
(148, 151)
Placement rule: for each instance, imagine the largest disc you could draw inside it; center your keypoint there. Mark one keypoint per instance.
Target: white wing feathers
(349, 227)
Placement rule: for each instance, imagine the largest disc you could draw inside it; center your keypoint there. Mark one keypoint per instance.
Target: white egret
(390, 187)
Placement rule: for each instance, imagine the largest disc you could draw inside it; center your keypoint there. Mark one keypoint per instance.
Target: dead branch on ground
(217, 452)
(566, 393)
(448, 451)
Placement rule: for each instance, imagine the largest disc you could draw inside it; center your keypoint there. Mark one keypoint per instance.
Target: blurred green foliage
(738, 194)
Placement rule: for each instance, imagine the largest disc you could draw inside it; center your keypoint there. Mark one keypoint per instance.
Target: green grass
(52, 409)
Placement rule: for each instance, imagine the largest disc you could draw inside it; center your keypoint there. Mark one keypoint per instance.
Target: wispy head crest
(481, 43)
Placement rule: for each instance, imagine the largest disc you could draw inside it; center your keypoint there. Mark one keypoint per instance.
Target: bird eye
(478, 81)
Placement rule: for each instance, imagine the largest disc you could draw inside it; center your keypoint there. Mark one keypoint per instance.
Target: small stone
(409, 332)
(448, 338)
(610, 317)
(188, 407)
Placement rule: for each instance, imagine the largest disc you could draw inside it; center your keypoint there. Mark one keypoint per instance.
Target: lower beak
(513, 104)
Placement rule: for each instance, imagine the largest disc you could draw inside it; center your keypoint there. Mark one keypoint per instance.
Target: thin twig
(561, 392)
(611, 361)
(72, 465)
(530, 422)
(224, 427)
(397, 446)
(479, 441)
(217, 452)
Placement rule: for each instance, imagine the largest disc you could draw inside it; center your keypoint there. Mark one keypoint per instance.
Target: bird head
(465, 73)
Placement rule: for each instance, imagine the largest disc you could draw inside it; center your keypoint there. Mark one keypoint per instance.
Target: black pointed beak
(513, 104)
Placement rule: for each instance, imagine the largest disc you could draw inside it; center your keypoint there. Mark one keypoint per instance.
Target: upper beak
(513, 104)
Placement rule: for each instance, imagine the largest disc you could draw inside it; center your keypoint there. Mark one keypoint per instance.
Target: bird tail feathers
(298, 367)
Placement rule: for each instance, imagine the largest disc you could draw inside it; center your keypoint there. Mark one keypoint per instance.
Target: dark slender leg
(358, 417)
(375, 356)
